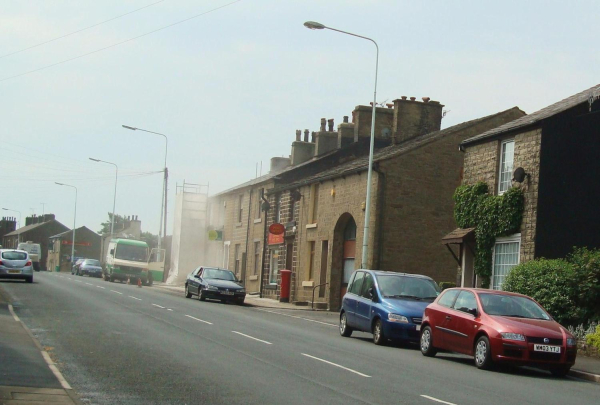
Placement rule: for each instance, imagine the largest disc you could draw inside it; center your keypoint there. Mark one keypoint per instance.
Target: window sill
(238, 224)
(270, 287)
(311, 226)
(308, 284)
(258, 220)
(253, 278)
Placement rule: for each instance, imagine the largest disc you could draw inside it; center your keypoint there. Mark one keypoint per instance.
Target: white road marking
(79, 281)
(298, 317)
(139, 299)
(116, 292)
(250, 337)
(10, 308)
(438, 400)
(199, 320)
(337, 365)
(89, 284)
(156, 305)
(100, 287)
(169, 309)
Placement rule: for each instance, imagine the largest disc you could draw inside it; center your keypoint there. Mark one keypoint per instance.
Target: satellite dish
(519, 175)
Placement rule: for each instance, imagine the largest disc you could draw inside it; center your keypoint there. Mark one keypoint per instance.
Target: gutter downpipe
(381, 202)
(247, 237)
(264, 253)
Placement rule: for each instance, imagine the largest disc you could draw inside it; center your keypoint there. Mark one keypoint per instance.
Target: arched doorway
(343, 258)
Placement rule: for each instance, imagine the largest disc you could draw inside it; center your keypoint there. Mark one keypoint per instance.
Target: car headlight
(210, 287)
(571, 342)
(397, 318)
(513, 336)
(242, 291)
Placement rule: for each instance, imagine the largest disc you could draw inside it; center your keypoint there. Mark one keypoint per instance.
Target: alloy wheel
(480, 352)
(425, 340)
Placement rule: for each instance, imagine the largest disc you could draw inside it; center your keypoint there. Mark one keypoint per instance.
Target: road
(119, 344)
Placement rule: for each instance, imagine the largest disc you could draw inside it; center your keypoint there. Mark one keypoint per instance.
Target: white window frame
(273, 274)
(515, 238)
(502, 163)
(226, 248)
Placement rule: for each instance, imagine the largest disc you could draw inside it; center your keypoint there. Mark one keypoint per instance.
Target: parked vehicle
(214, 283)
(129, 259)
(497, 326)
(35, 252)
(91, 267)
(387, 304)
(75, 267)
(16, 264)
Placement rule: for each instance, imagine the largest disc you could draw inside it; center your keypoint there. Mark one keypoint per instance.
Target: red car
(496, 326)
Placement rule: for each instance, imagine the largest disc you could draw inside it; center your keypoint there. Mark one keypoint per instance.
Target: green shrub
(587, 267)
(552, 283)
(446, 284)
(594, 338)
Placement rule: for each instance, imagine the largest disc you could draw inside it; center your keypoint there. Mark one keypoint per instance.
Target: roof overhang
(459, 236)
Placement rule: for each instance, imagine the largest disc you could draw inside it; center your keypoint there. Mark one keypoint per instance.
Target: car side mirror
(371, 293)
(112, 252)
(472, 311)
(197, 276)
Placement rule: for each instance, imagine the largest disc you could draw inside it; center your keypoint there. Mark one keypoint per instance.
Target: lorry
(132, 260)
(35, 252)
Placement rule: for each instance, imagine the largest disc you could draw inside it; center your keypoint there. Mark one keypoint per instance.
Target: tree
(119, 224)
(150, 239)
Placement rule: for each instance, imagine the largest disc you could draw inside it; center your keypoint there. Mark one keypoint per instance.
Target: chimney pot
(425, 99)
(345, 119)
(306, 135)
(298, 135)
(313, 137)
(330, 124)
(413, 98)
(403, 97)
(390, 105)
(371, 104)
(323, 124)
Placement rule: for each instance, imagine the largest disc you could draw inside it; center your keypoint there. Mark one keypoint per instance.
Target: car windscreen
(395, 286)
(131, 252)
(91, 263)
(12, 255)
(218, 274)
(512, 305)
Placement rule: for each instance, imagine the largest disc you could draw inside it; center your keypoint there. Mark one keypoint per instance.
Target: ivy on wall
(491, 216)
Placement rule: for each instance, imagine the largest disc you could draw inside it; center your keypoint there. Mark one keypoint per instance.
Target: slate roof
(70, 231)
(362, 163)
(458, 236)
(28, 228)
(538, 116)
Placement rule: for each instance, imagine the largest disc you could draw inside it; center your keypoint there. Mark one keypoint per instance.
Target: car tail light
(28, 263)
(1, 263)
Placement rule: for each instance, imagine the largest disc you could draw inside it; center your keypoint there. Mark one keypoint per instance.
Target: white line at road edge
(139, 299)
(199, 320)
(438, 400)
(116, 292)
(298, 317)
(337, 365)
(156, 305)
(250, 337)
(45, 354)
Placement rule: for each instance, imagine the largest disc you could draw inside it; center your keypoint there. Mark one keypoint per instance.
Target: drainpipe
(264, 253)
(381, 203)
(243, 277)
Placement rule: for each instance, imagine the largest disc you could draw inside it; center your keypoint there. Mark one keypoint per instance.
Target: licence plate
(546, 348)
(14, 271)
(227, 292)
(418, 327)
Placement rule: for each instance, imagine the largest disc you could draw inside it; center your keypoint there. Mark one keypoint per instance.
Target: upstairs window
(507, 154)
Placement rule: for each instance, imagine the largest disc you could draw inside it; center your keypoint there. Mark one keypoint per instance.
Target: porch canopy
(458, 237)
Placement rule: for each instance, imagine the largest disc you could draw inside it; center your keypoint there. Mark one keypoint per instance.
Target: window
(368, 283)
(274, 266)
(277, 208)
(237, 259)
(240, 210)
(466, 302)
(506, 256)
(256, 257)
(314, 204)
(448, 298)
(226, 246)
(311, 260)
(507, 154)
(357, 283)
(259, 202)
(349, 249)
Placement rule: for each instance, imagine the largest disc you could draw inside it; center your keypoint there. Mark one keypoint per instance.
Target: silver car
(15, 264)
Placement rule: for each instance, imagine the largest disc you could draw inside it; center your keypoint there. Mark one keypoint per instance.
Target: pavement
(26, 370)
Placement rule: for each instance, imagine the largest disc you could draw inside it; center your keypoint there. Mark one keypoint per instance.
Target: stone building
(7, 225)
(556, 152)
(88, 245)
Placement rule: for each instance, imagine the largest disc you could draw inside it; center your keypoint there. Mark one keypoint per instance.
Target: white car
(16, 264)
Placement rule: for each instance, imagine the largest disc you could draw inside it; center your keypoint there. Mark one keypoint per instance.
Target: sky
(231, 86)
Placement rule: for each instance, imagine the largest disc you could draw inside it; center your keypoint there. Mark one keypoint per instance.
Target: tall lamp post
(163, 203)
(318, 26)
(112, 219)
(19, 212)
(74, 220)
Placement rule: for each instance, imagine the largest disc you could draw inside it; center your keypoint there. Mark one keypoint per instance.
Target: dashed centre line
(116, 292)
(160, 306)
(199, 320)
(340, 366)
(253, 338)
(135, 298)
(89, 284)
(438, 400)
(100, 287)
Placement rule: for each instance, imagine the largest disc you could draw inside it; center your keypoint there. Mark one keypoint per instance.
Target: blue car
(387, 304)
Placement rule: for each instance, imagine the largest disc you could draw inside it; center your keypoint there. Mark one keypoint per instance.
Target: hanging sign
(277, 229)
(275, 239)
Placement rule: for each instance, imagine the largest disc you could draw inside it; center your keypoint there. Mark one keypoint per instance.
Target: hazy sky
(231, 87)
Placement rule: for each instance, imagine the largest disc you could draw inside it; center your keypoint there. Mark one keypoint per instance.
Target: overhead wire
(119, 43)
(78, 31)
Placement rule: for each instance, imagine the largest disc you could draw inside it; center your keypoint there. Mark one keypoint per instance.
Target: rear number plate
(546, 348)
(14, 271)
(227, 292)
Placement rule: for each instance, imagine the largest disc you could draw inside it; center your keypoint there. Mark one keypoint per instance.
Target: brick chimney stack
(413, 118)
(330, 124)
(298, 135)
(323, 120)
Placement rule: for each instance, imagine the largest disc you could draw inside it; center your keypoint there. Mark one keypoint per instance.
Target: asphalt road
(119, 344)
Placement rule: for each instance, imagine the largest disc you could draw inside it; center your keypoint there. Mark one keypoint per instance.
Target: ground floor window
(274, 266)
(506, 256)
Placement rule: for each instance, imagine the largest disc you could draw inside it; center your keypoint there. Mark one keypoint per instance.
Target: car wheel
(378, 335)
(483, 353)
(201, 296)
(345, 330)
(187, 292)
(426, 343)
(560, 371)
(29, 279)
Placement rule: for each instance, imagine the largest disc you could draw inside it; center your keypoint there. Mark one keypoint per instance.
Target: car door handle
(448, 317)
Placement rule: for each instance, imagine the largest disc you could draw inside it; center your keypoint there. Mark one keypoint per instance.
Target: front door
(350, 299)
(364, 304)
(463, 324)
(349, 253)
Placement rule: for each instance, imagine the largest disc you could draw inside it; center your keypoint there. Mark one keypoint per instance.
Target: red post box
(286, 279)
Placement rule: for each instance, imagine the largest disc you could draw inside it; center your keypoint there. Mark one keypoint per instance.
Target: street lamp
(318, 26)
(163, 203)
(19, 212)
(112, 219)
(74, 220)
